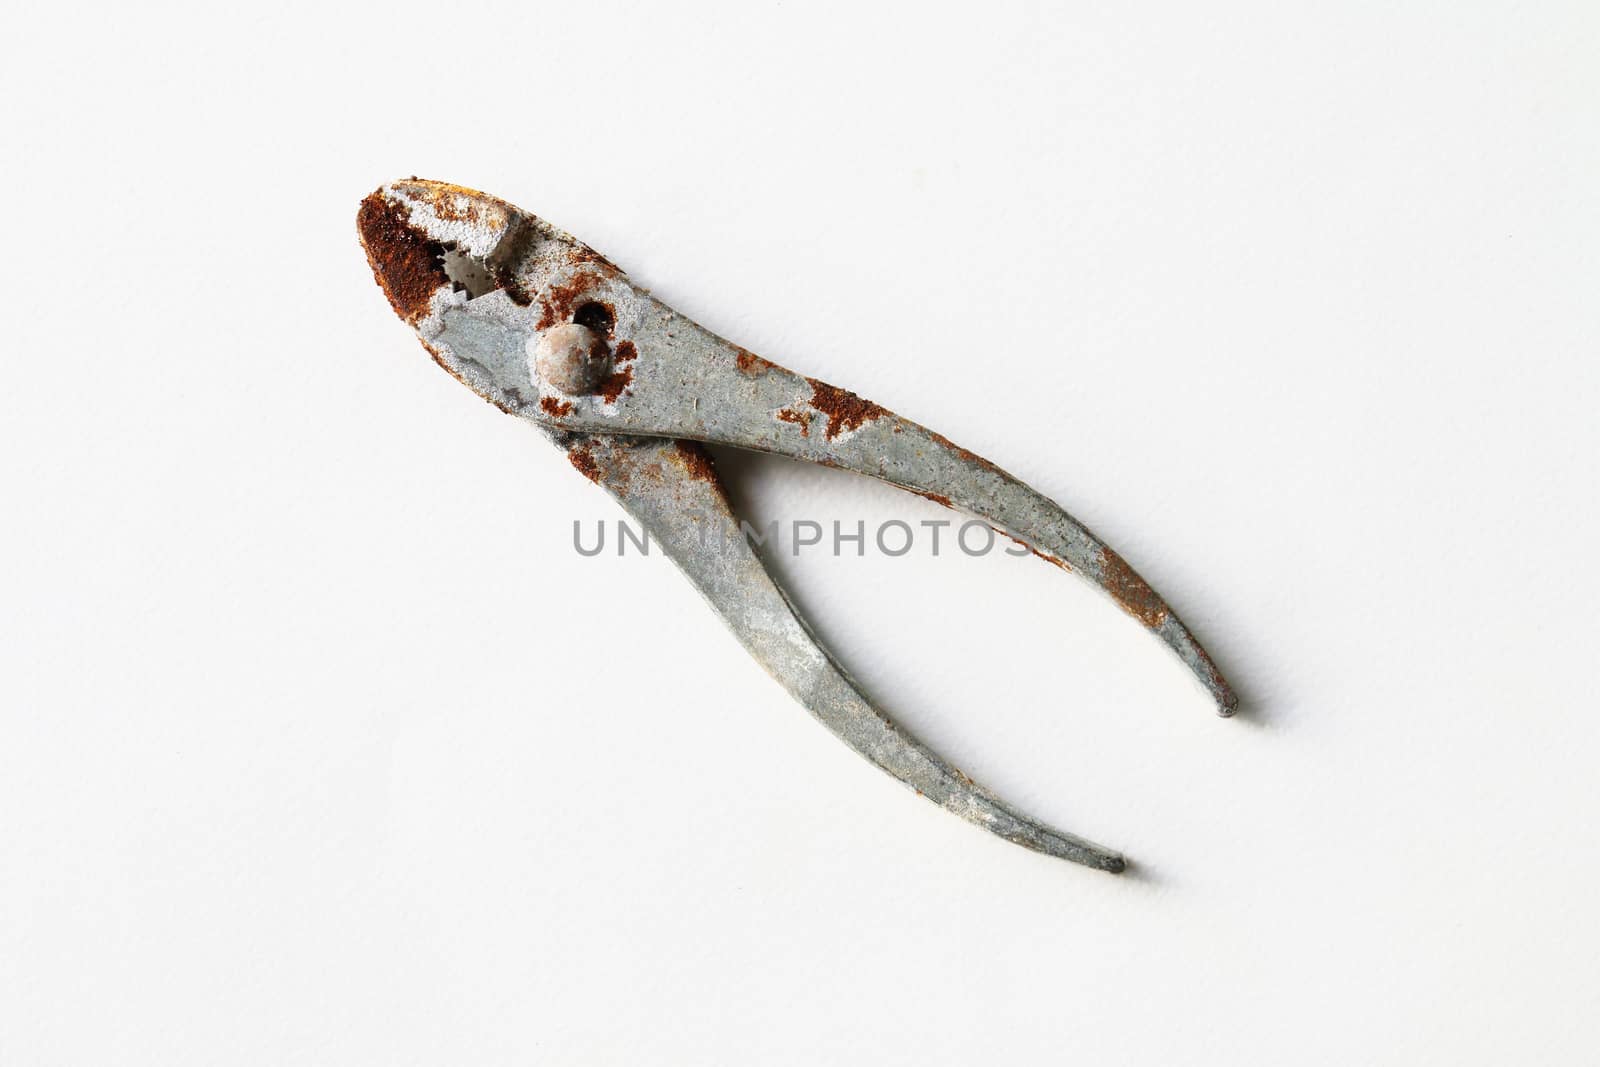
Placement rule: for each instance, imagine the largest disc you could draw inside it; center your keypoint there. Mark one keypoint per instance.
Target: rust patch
(845, 410)
(408, 265)
(560, 301)
(751, 364)
(940, 498)
(799, 418)
(582, 253)
(1129, 590)
(556, 408)
(1047, 557)
(696, 461)
(445, 202)
(582, 458)
(505, 278)
(442, 197)
(614, 384)
(503, 261)
(965, 454)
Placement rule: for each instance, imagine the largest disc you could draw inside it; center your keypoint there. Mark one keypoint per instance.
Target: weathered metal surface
(671, 489)
(545, 328)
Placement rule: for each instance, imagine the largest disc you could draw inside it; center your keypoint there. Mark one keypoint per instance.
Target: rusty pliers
(542, 326)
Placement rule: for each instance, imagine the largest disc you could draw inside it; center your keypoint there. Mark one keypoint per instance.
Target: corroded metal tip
(435, 249)
(411, 229)
(407, 263)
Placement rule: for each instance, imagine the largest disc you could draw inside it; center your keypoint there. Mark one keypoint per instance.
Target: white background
(320, 745)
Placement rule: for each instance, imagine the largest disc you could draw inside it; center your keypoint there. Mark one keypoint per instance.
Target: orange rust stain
(558, 304)
(940, 498)
(556, 408)
(443, 197)
(1129, 590)
(964, 453)
(798, 418)
(614, 384)
(449, 204)
(582, 253)
(582, 458)
(1047, 557)
(505, 276)
(408, 265)
(845, 410)
(750, 363)
(696, 461)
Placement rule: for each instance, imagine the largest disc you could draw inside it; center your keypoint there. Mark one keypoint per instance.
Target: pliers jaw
(545, 328)
(460, 267)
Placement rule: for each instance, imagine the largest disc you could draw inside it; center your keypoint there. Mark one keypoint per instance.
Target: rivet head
(571, 358)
